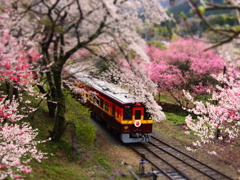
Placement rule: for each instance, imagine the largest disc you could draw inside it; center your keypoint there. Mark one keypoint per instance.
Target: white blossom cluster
(110, 22)
(17, 144)
(133, 77)
(217, 119)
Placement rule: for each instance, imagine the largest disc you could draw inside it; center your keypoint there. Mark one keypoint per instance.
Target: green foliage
(223, 20)
(46, 22)
(175, 118)
(79, 115)
(185, 8)
(174, 37)
(102, 66)
(183, 15)
(237, 28)
(202, 9)
(59, 30)
(158, 44)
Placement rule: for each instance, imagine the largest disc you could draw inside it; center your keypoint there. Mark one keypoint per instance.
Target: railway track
(172, 163)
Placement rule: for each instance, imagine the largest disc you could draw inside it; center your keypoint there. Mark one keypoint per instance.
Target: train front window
(127, 115)
(138, 114)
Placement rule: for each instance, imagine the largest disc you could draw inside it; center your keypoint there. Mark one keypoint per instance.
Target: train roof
(111, 90)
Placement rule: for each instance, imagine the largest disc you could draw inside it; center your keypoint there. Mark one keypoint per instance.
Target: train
(114, 105)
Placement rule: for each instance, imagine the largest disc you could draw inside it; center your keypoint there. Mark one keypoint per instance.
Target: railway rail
(172, 163)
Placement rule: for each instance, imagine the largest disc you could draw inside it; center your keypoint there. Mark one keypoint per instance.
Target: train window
(91, 96)
(127, 115)
(113, 110)
(95, 100)
(147, 115)
(88, 95)
(118, 113)
(106, 106)
(101, 102)
(138, 114)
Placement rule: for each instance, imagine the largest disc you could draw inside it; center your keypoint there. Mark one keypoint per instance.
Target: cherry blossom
(184, 65)
(218, 118)
(17, 137)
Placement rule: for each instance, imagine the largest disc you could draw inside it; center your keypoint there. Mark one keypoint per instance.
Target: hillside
(184, 7)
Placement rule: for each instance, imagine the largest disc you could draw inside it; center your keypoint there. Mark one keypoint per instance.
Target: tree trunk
(60, 123)
(51, 108)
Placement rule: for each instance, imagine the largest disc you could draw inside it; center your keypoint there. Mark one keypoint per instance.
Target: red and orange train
(115, 106)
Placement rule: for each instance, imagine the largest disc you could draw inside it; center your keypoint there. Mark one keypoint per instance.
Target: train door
(138, 113)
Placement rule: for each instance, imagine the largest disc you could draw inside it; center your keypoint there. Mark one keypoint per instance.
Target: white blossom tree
(63, 27)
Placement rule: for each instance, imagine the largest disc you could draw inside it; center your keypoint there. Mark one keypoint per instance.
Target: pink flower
(15, 78)
(2, 166)
(12, 121)
(8, 9)
(37, 56)
(21, 133)
(7, 66)
(231, 114)
(16, 176)
(8, 72)
(27, 169)
(25, 66)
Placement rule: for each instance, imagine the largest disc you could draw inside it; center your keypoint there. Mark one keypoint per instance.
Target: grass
(63, 162)
(173, 126)
(175, 119)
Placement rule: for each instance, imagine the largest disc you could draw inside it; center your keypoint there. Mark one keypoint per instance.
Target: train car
(115, 106)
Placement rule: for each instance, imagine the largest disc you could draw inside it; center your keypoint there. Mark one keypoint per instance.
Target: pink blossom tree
(218, 118)
(17, 144)
(17, 137)
(184, 65)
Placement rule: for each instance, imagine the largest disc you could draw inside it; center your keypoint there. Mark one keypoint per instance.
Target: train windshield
(137, 114)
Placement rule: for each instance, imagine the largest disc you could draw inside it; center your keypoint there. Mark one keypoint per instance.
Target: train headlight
(137, 123)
